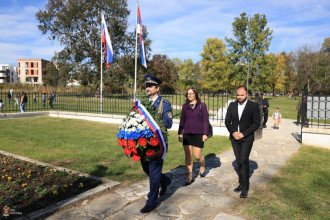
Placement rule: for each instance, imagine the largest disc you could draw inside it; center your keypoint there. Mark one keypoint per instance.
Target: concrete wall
(318, 137)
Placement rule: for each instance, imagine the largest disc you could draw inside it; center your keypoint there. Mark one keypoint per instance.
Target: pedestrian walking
(23, 102)
(153, 167)
(193, 130)
(242, 120)
(265, 106)
(277, 118)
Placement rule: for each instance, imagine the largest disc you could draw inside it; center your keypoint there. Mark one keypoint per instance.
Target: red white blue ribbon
(153, 126)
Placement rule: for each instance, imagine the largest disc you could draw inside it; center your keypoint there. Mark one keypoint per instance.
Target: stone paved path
(206, 198)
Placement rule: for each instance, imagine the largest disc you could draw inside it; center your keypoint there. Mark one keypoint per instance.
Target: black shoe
(188, 183)
(147, 208)
(265, 126)
(238, 189)
(164, 188)
(244, 194)
(202, 174)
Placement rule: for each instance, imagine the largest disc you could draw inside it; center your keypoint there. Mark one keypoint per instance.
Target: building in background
(8, 73)
(31, 71)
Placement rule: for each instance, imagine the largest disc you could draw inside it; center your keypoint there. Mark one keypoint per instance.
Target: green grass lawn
(90, 147)
(286, 105)
(300, 190)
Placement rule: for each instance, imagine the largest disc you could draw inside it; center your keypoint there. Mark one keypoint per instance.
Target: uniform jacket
(190, 120)
(249, 122)
(166, 111)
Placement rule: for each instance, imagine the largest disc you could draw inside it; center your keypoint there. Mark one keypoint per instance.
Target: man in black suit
(242, 120)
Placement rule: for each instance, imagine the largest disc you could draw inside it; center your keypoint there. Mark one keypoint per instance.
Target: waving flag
(139, 31)
(108, 52)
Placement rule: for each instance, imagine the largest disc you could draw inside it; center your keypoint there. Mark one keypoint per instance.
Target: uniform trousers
(242, 152)
(153, 169)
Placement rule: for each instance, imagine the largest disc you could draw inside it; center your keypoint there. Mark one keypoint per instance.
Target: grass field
(90, 147)
(300, 190)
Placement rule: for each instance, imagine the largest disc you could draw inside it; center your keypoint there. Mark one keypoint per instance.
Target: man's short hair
(242, 87)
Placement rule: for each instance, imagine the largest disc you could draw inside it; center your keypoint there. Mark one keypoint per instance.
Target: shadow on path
(297, 136)
(179, 174)
(252, 164)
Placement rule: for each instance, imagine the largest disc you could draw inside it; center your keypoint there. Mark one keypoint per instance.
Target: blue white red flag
(139, 31)
(153, 127)
(105, 37)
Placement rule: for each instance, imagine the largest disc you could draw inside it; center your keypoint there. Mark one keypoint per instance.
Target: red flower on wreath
(154, 141)
(127, 151)
(136, 157)
(142, 141)
(133, 149)
(124, 142)
(131, 143)
(119, 142)
(150, 153)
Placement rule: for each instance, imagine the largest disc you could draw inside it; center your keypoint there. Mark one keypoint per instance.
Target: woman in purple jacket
(193, 129)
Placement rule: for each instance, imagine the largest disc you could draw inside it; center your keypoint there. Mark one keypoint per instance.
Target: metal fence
(114, 104)
(314, 111)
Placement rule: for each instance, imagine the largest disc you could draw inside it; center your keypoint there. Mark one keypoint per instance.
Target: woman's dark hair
(195, 92)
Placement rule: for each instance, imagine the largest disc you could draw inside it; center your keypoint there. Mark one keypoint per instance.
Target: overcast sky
(178, 28)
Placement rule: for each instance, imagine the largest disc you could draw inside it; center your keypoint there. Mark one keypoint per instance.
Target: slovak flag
(108, 52)
(139, 31)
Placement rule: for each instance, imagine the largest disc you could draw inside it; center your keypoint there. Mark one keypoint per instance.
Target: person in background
(44, 98)
(1, 104)
(265, 106)
(17, 99)
(193, 130)
(54, 97)
(50, 98)
(23, 102)
(277, 118)
(9, 97)
(34, 98)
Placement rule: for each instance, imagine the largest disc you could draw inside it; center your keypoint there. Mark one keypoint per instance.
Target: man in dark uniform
(154, 167)
(265, 106)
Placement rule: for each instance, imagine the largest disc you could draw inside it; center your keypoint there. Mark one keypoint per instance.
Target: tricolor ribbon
(153, 126)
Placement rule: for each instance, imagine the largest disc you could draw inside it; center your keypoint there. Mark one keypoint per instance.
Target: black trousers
(242, 152)
(153, 169)
(265, 117)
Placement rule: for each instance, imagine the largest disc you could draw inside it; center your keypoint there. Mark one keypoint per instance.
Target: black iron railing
(314, 111)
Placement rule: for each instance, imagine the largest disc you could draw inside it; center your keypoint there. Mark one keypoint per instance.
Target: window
(26, 72)
(19, 72)
(32, 72)
(26, 64)
(32, 64)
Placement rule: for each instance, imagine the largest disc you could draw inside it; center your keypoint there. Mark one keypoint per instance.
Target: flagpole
(101, 86)
(137, 4)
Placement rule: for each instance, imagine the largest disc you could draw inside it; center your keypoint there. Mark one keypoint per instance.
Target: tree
(273, 71)
(51, 76)
(163, 68)
(289, 72)
(189, 73)
(313, 70)
(253, 38)
(214, 66)
(76, 25)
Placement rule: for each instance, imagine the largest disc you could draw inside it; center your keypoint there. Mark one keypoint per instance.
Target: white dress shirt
(240, 110)
(154, 99)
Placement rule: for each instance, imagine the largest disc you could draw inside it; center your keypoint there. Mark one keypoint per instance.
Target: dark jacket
(190, 120)
(265, 103)
(249, 122)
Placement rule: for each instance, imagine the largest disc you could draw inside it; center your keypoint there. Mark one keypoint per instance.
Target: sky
(177, 28)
